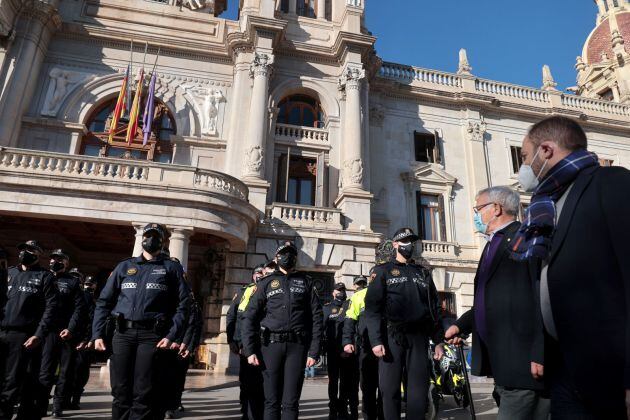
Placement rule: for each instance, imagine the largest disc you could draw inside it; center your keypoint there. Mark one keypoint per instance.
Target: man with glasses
(505, 322)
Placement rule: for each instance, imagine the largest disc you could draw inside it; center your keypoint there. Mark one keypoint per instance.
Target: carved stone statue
(464, 66)
(207, 100)
(353, 172)
(548, 82)
(62, 82)
(254, 159)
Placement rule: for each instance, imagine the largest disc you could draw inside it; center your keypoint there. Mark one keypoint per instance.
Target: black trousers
(51, 352)
(405, 356)
(372, 408)
(283, 377)
(343, 383)
(82, 363)
(252, 396)
(171, 379)
(134, 361)
(18, 376)
(65, 380)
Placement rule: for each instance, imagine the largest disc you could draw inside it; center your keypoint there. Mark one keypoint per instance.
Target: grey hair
(505, 196)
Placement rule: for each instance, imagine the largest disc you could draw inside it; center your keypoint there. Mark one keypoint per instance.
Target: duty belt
(140, 325)
(284, 336)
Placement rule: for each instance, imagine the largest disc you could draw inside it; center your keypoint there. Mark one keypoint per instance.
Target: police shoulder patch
(275, 284)
(131, 271)
(395, 272)
(334, 310)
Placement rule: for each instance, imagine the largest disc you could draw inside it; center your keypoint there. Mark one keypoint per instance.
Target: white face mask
(526, 176)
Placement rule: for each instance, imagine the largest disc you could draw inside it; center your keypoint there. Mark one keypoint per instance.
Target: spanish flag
(134, 112)
(121, 105)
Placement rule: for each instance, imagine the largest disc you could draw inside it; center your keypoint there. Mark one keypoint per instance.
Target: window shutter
(442, 219)
(437, 147)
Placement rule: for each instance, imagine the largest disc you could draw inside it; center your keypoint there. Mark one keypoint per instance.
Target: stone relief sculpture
(62, 82)
(476, 130)
(464, 65)
(207, 100)
(353, 172)
(254, 159)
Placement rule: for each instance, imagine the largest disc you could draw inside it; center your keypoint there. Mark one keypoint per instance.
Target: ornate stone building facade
(282, 125)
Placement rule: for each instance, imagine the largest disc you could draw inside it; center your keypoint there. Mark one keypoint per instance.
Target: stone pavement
(212, 397)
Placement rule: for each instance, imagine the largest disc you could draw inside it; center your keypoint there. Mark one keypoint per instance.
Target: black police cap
(60, 253)
(31, 246)
(258, 269)
(405, 235)
(90, 280)
(340, 286)
(360, 279)
(76, 273)
(154, 227)
(287, 247)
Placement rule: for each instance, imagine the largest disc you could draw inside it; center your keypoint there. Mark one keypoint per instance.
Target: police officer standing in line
(401, 306)
(149, 298)
(28, 316)
(186, 351)
(250, 377)
(356, 340)
(83, 356)
(59, 345)
(286, 314)
(340, 370)
(4, 274)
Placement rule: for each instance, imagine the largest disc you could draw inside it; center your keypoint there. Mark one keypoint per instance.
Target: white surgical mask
(526, 176)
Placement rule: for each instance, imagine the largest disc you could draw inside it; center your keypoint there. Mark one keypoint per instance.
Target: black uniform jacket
(334, 316)
(31, 303)
(141, 290)
(72, 308)
(514, 325)
(192, 335)
(283, 303)
(401, 295)
(233, 317)
(589, 285)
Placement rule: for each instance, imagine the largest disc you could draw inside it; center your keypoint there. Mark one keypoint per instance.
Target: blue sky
(507, 40)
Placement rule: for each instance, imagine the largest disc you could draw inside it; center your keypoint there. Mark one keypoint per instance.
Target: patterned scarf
(534, 237)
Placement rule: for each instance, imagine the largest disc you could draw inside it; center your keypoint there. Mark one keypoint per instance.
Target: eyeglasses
(478, 208)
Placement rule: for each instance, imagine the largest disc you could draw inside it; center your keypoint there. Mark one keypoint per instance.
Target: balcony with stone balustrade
(295, 135)
(121, 191)
(506, 95)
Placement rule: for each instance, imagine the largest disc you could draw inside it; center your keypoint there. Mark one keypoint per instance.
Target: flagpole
(130, 83)
(156, 59)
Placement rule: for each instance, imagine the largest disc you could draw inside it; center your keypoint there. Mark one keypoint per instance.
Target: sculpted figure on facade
(254, 159)
(353, 172)
(206, 100)
(476, 130)
(62, 82)
(464, 66)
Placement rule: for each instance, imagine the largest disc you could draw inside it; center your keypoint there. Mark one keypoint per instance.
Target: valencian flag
(135, 109)
(121, 106)
(149, 110)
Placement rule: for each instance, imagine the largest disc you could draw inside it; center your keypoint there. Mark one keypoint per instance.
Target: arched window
(157, 149)
(301, 110)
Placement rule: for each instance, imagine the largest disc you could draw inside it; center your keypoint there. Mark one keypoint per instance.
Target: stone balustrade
(303, 216)
(76, 167)
(506, 92)
(438, 249)
(296, 133)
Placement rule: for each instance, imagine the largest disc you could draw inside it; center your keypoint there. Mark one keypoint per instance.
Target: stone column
(353, 200)
(178, 244)
(233, 153)
(22, 66)
(137, 246)
(321, 9)
(352, 133)
(254, 153)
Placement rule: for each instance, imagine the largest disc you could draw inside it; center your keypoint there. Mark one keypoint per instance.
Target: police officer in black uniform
(149, 298)
(250, 378)
(59, 347)
(28, 316)
(356, 341)
(401, 306)
(340, 366)
(4, 275)
(285, 313)
(83, 356)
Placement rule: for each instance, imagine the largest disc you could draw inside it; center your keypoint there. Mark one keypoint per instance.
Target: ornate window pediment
(429, 173)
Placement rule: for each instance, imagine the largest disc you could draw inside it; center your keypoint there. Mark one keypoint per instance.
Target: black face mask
(287, 261)
(406, 250)
(27, 258)
(56, 266)
(340, 297)
(152, 244)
